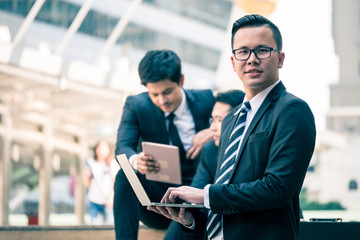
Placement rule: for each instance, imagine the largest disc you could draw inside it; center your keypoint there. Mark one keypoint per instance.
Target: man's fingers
(172, 212)
(160, 210)
(190, 152)
(195, 153)
(146, 164)
(150, 169)
(173, 195)
(185, 193)
(151, 163)
(154, 209)
(165, 198)
(182, 211)
(165, 212)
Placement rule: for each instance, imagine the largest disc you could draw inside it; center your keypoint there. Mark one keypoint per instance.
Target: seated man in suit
(166, 114)
(205, 172)
(265, 149)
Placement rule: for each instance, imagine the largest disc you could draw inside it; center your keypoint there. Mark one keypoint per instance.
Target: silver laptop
(140, 191)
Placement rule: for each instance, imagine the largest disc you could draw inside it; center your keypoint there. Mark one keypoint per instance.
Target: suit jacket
(142, 120)
(261, 200)
(205, 172)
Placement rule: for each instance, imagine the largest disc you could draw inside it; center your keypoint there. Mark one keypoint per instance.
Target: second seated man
(206, 170)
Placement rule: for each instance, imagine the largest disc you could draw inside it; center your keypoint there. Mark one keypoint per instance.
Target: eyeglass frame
(215, 121)
(253, 50)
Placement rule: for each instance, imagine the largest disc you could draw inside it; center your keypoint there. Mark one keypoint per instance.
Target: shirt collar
(256, 101)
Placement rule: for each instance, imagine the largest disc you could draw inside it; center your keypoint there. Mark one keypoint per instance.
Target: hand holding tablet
(167, 156)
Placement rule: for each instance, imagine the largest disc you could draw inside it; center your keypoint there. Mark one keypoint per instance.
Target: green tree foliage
(305, 204)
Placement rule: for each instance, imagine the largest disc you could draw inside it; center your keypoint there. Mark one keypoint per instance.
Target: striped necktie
(227, 167)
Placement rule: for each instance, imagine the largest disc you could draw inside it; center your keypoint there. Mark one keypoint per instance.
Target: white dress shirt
(184, 123)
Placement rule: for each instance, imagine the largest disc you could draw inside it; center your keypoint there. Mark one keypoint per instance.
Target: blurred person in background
(98, 177)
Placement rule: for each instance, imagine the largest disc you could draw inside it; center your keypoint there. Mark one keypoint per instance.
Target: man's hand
(177, 214)
(146, 164)
(186, 193)
(199, 140)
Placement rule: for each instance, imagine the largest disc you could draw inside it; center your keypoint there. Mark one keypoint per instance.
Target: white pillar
(46, 173)
(80, 208)
(119, 28)
(5, 164)
(84, 10)
(28, 20)
(226, 78)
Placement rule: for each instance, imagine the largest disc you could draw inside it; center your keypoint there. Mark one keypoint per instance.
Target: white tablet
(169, 160)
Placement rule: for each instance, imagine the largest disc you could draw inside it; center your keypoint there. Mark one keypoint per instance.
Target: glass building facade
(97, 24)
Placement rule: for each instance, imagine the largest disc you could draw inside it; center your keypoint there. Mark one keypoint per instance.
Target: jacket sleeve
(205, 172)
(200, 216)
(128, 131)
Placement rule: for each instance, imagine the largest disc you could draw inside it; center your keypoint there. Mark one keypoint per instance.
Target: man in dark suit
(225, 102)
(145, 118)
(205, 172)
(265, 149)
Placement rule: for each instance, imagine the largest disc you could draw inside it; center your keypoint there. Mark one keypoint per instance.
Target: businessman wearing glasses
(265, 148)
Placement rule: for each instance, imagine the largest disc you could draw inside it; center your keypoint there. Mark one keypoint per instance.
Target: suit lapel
(230, 126)
(158, 122)
(226, 130)
(194, 108)
(158, 115)
(268, 101)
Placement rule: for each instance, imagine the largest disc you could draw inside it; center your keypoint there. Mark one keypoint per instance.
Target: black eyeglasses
(211, 120)
(243, 54)
(216, 120)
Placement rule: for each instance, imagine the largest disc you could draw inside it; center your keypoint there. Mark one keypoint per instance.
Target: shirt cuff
(192, 226)
(206, 196)
(133, 161)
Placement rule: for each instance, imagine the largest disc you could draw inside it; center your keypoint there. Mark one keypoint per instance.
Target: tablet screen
(169, 160)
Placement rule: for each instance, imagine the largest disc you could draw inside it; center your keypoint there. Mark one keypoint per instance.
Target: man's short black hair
(255, 20)
(158, 65)
(232, 97)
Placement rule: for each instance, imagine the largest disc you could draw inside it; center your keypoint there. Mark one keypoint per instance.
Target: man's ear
(232, 58)
(281, 59)
(181, 81)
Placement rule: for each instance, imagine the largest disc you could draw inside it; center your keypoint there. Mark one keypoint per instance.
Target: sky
(311, 64)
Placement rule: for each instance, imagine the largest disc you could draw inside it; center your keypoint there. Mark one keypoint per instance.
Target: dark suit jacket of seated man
(144, 119)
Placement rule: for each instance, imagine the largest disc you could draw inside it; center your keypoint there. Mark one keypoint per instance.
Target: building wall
(334, 167)
(346, 93)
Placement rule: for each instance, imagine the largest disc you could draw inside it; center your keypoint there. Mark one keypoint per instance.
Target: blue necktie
(227, 166)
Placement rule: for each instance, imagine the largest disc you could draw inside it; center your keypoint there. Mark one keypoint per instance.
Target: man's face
(103, 150)
(166, 94)
(219, 112)
(256, 74)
